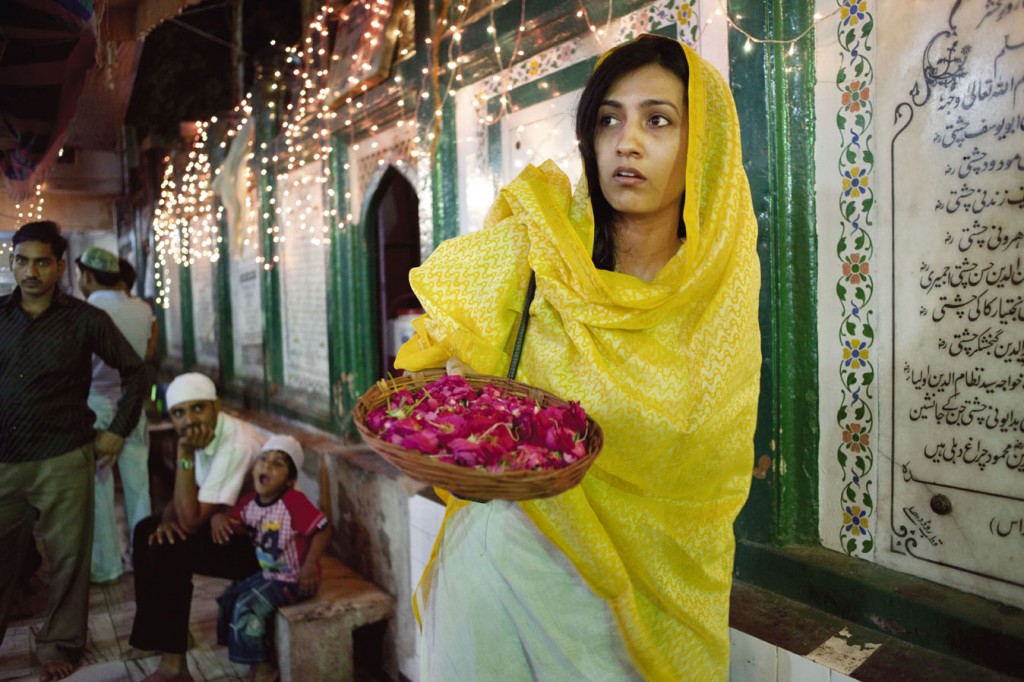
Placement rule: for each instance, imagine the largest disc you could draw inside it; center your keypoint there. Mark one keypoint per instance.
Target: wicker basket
(467, 482)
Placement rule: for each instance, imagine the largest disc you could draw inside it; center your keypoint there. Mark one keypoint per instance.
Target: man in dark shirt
(48, 449)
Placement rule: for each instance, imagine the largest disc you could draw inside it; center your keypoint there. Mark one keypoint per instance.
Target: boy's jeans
(245, 617)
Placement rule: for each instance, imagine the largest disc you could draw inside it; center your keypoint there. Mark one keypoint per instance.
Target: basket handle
(524, 320)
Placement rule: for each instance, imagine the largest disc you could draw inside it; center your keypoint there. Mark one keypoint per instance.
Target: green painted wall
(222, 275)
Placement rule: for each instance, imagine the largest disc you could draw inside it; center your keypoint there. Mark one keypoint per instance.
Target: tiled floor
(108, 657)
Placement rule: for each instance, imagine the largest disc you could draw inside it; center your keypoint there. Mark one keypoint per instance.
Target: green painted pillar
(161, 329)
(350, 349)
(188, 335)
(445, 177)
(773, 86)
(265, 106)
(222, 276)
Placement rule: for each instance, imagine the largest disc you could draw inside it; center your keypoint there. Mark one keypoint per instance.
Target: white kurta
(134, 319)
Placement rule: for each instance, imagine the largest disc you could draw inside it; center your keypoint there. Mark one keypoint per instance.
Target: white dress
(506, 604)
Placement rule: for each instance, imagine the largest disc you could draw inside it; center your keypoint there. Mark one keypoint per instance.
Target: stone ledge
(314, 637)
(919, 613)
(860, 652)
(343, 593)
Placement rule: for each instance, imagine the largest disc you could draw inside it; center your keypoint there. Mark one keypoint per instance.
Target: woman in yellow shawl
(645, 312)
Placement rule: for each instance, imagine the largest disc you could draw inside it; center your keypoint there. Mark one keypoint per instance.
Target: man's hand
(195, 436)
(222, 527)
(166, 532)
(108, 446)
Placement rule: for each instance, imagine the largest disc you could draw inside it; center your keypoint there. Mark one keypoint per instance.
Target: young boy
(290, 534)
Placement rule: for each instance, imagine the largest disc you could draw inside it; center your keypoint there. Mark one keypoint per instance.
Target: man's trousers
(163, 581)
(55, 496)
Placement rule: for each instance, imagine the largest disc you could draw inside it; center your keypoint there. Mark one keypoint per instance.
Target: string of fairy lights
(186, 221)
(31, 208)
(294, 171)
(306, 139)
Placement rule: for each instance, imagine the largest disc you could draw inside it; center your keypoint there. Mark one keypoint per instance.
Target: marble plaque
(302, 263)
(204, 312)
(246, 297)
(954, 98)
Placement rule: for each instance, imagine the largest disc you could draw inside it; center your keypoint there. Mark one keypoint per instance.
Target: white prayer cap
(287, 445)
(189, 387)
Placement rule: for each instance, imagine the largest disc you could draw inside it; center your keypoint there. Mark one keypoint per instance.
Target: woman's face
(641, 142)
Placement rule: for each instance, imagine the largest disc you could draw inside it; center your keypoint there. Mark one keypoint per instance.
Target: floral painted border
(855, 288)
(683, 14)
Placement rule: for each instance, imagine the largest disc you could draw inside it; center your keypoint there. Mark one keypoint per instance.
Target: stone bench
(314, 637)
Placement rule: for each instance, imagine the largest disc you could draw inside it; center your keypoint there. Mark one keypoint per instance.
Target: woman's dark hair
(45, 231)
(622, 60)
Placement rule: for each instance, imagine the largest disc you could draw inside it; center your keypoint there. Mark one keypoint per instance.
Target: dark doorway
(394, 222)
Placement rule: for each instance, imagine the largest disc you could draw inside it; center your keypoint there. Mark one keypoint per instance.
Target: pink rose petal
(488, 429)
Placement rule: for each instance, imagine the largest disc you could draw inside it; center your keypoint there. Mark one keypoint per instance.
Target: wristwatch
(186, 464)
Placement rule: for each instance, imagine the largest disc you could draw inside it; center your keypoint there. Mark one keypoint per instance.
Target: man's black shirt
(45, 373)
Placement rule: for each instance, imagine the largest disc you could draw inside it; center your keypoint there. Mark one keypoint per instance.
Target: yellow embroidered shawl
(669, 369)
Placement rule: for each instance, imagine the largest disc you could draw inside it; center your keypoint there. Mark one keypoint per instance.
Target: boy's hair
(293, 471)
(45, 231)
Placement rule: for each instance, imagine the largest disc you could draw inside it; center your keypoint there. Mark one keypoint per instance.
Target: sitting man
(215, 453)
